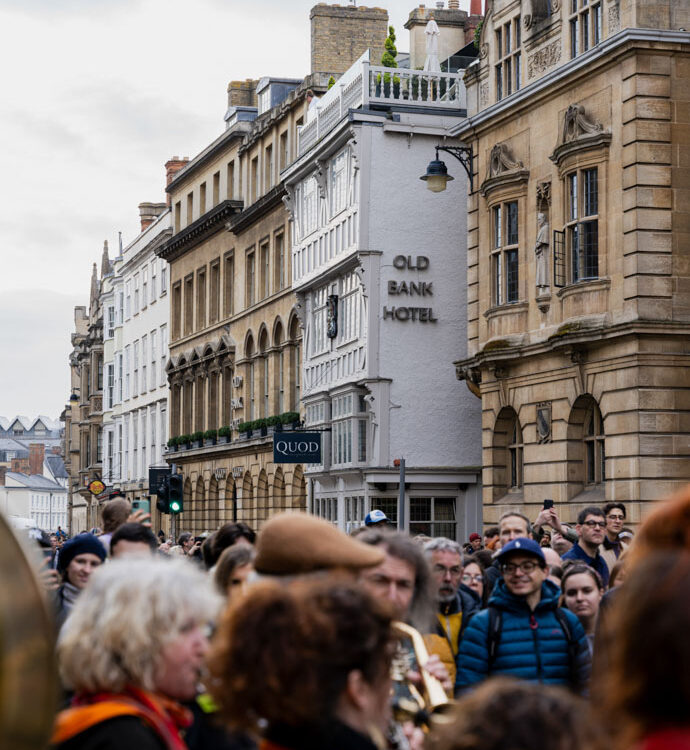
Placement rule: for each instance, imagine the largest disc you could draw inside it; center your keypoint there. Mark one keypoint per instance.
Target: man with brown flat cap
(293, 544)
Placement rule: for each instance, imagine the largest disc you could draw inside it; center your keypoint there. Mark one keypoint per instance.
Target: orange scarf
(164, 716)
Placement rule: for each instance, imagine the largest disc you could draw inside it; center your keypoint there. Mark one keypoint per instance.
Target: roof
(34, 481)
(8, 444)
(57, 466)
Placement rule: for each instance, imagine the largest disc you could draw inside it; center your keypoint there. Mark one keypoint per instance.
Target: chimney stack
(340, 34)
(36, 456)
(149, 212)
(172, 167)
(242, 93)
(19, 465)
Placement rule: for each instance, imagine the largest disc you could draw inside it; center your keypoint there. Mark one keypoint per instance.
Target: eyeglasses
(524, 567)
(478, 578)
(454, 570)
(616, 518)
(593, 524)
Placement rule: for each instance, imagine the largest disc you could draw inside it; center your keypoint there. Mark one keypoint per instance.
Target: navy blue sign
(297, 447)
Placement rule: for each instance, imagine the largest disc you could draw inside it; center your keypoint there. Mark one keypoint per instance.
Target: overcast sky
(97, 96)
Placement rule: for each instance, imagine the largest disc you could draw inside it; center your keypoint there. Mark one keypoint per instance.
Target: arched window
(593, 438)
(586, 454)
(507, 460)
(279, 369)
(250, 412)
(265, 382)
(295, 364)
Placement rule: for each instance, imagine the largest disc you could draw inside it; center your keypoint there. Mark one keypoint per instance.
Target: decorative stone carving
(614, 19)
(483, 51)
(579, 132)
(503, 169)
(555, 5)
(544, 422)
(321, 176)
(289, 201)
(541, 252)
(543, 59)
(483, 94)
(502, 160)
(544, 194)
(576, 124)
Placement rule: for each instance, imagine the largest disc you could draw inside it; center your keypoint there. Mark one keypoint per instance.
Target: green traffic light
(175, 507)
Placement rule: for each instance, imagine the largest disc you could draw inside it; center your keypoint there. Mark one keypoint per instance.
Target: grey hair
(123, 619)
(442, 544)
(422, 614)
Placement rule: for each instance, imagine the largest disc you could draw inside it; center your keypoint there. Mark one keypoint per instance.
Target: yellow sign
(96, 487)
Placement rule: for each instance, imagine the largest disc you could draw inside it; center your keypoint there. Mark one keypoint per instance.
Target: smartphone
(199, 539)
(140, 504)
(548, 503)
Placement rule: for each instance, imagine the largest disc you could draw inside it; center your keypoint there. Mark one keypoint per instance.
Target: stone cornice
(566, 337)
(577, 67)
(204, 227)
(513, 177)
(257, 210)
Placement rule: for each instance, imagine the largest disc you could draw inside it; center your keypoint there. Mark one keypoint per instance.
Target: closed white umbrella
(431, 63)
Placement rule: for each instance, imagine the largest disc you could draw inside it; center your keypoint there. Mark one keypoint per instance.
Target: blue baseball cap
(525, 546)
(376, 516)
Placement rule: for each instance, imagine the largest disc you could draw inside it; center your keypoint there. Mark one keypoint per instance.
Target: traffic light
(175, 504)
(162, 491)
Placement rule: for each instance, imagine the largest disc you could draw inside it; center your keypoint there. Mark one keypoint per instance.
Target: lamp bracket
(464, 155)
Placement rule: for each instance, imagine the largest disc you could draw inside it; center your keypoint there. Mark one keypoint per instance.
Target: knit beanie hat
(79, 545)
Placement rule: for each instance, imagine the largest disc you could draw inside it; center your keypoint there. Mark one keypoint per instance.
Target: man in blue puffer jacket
(523, 633)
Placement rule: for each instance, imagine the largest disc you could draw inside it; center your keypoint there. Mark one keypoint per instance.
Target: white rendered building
(135, 389)
(382, 291)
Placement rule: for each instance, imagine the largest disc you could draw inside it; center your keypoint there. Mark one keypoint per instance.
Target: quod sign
(297, 447)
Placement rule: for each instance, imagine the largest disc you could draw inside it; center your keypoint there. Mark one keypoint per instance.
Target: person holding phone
(549, 517)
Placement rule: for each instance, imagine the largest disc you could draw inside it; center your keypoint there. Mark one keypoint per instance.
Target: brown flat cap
(292, 543)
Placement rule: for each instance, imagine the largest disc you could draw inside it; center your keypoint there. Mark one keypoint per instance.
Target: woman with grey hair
(132, 650)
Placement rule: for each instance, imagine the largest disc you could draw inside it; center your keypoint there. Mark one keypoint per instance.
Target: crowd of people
(534, 634)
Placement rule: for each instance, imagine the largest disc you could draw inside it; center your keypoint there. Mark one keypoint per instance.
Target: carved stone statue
(541, 250)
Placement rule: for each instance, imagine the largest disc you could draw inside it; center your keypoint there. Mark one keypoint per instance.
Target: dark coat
(115, 734)
(532, 645)
(597, 563)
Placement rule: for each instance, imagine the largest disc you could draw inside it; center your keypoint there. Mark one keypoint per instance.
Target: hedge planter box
(209, 441)
(223, 439)
(195, 444)
(246, 434)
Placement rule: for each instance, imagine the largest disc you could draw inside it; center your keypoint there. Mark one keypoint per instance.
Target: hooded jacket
(532, 645)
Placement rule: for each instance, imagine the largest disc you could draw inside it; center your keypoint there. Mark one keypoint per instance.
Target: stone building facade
(83, 415)
(234, 336)
(578, 281)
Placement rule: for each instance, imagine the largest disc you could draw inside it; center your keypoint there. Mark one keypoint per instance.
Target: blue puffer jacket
(532, 646)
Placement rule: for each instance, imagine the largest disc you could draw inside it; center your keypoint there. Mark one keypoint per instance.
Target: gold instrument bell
(409, 703)
(28, 672)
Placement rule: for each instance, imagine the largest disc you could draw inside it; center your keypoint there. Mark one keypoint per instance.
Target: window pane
(497, 226)
(573, 235)
(420, 509)
(498, 280)
(585, 31)
(591, 193)
(573, 38)
(590, 461)
(444, 509)
(499, 82)
(590, 253)
(572, 197)
(511, 276)
(512, 221)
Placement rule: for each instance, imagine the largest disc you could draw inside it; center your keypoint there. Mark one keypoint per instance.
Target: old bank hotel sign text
(410, 291)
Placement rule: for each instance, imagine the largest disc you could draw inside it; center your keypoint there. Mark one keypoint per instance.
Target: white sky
(96, 96)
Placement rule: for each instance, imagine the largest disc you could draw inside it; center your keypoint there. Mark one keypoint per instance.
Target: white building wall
(393, 386)
(139, 428)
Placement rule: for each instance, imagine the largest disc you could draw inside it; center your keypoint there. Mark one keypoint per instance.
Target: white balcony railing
(364, 84)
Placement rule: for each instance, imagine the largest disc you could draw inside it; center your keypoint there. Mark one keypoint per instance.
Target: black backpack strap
(495, 627)
(572, 645)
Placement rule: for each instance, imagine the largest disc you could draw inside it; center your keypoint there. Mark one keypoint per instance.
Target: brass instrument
(28, 673)
(408, 702)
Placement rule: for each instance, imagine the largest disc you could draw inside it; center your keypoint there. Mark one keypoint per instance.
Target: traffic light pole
(173, 516)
